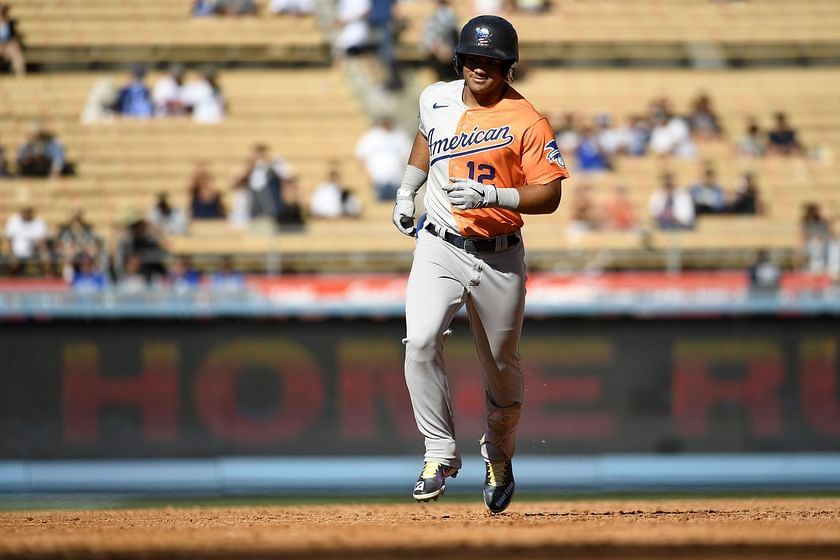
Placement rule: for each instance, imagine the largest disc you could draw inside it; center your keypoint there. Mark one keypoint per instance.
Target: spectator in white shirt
(671, 208)
(168, 93)
(26, 241)
(292, 7)
(384, 150)
(204, 97)
(332, 200)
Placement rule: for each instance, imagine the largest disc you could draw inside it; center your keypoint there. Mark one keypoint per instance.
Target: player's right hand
(403, 215)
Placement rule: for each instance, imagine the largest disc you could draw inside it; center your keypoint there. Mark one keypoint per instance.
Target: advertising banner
(193, 388)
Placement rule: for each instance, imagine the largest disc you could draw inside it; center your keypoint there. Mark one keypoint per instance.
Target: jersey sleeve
(542, 161)
(420, 115)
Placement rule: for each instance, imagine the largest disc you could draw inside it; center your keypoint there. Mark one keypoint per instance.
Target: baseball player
(487, 156)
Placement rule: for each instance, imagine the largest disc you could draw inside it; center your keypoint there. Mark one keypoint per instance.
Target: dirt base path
(714, 528)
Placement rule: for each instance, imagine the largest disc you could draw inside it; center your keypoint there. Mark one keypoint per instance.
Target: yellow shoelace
(429, 470)
(496, 473)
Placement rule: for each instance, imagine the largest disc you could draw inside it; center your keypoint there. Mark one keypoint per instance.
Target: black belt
(475, 244)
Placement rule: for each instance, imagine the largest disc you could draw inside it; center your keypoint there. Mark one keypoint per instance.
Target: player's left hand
(466, 194)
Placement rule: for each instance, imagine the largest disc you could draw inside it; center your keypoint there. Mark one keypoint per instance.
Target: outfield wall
(207, 388)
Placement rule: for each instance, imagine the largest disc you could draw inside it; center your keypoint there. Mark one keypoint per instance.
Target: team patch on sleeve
(554, 155)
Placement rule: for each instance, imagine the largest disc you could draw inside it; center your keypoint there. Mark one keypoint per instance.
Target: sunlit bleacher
(311, 116)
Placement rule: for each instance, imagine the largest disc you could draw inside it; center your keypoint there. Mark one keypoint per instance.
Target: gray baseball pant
(443, 278)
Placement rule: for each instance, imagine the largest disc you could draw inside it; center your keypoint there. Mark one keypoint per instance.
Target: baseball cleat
(432, 481)
(498, 486)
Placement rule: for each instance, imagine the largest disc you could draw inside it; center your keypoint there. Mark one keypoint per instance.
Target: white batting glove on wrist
(403, 215)
(466, 194)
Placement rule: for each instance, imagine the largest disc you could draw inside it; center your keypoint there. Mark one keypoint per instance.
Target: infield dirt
(710, 528)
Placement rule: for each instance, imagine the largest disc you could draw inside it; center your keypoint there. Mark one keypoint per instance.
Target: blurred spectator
(670, 135)
(703, 120)
(201, 8)
(331, 199)
(5, 172)
(669, 207)
(241, 206)
(765, 276)
(76, 238)
(613, 140)
(264, 176)
(566, 133)
(351, 18)
(638, 135)
(781, 139)
(753, 143)
(101, 101)
(496, 7)
(440, 35)
(140, 253)
(11, 46)
(383, 27)
(168, 94)
(204, 97)
(292, 7)
(182, 275)
(132, 279)
(291, 212)
(85, 275)
(168, 220)
(618, 212)
(205, 200)
(584, 215)
(134, 99)
(533, 6)
(224, 7)
(384, 150)
(707, 194)
(590, 154)
(26, 242)
(747, 199)
(227, 278)
(42, 156)
(821, 250)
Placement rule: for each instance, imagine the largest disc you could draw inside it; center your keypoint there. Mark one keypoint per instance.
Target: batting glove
(466, 194)
(403, 216)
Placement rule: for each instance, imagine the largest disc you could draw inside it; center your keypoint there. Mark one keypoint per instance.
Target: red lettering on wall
(299, 405)
(696, 392)
(818, 392)
(154, 391)
(370, 370)
(546, 392)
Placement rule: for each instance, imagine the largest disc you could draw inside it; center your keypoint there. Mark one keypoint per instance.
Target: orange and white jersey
(508, 144)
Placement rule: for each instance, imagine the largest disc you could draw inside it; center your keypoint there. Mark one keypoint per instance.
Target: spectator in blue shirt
(707, 194)
(381, 21)
(227, 278)
(86, 278)
(590, 155)
(135, 99)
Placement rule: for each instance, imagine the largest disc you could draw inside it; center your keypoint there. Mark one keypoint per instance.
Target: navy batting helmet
(490, 36)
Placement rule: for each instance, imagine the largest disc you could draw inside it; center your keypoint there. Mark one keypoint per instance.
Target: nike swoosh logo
(436, 106)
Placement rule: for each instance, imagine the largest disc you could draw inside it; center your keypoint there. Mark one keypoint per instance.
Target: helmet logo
(483, 36)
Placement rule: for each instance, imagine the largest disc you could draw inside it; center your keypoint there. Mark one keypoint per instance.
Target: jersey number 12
(488, 175)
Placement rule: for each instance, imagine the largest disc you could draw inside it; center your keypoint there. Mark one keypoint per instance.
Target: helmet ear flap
(458, 62)
(510, 72)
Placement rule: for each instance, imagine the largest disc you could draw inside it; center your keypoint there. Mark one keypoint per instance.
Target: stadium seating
(122, 165)
(311, 116)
